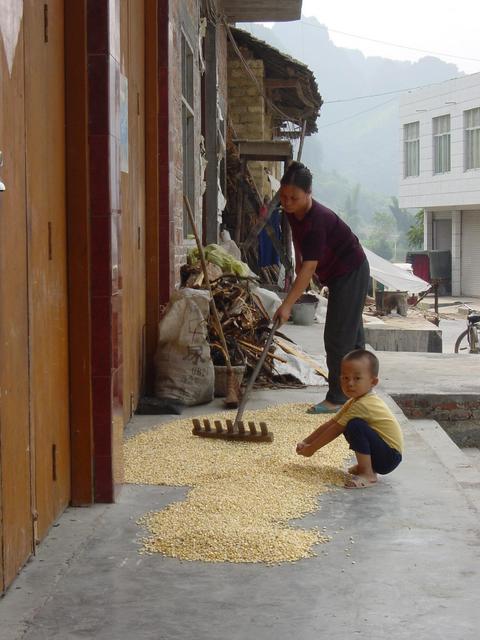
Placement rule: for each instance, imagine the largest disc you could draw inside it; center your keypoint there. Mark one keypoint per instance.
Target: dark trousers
(363, 439)
(343, 324)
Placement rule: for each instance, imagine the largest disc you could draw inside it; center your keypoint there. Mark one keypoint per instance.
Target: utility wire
(391, 44)
(388, 93)
(355, 115)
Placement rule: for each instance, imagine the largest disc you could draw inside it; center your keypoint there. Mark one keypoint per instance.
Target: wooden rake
(239, 430)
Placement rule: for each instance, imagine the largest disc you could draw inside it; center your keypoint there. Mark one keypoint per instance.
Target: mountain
(359, 140)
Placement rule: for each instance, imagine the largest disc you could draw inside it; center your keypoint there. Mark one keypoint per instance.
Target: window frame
(409, 144)
(441, 144)
(188, 128)
(466, 146)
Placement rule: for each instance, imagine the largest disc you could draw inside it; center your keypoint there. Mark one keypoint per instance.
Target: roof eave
(262, 10)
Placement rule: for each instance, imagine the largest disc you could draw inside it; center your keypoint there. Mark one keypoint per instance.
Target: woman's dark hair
(297, 175)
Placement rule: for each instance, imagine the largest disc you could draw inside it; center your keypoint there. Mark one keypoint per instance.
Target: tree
(415, 232)
(352, 217)
(402, 216)
(381, 247)
(384, 230)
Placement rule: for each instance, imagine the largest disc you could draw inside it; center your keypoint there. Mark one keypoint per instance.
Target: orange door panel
(16, 532)
(47, 257)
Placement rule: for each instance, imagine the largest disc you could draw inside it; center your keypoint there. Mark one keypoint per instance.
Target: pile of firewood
(269, 275)
(245, 322)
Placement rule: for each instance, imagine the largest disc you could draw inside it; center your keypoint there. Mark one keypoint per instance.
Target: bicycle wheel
(462, 338)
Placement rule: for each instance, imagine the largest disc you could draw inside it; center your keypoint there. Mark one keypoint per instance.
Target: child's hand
(300, 446)
(304, 449)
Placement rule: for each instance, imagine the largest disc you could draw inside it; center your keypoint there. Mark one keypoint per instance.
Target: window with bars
(188, 132)
(471, 120)
(441, 144)
(411, 149)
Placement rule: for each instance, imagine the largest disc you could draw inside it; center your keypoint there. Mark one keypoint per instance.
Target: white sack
(184, 368)
(269, 299)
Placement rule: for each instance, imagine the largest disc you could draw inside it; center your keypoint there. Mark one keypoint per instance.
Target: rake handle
(254, 375)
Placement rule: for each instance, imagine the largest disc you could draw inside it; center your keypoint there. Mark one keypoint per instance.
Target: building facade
(109, 110)
(440, 171)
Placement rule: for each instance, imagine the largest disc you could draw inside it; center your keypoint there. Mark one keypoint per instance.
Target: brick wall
(184, 17)
(247, 111)
(455, 407)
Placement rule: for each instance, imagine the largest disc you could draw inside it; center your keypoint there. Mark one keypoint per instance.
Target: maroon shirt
(323, 236)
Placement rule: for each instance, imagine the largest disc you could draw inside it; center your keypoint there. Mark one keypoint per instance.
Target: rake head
(247, 432)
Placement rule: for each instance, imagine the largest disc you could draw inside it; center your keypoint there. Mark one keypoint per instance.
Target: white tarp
(299, 369)
(392, 277)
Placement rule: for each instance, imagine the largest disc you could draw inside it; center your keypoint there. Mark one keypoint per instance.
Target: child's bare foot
(360, 481)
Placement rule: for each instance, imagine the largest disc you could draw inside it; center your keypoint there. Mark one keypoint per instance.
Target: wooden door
(34, 425)
(15, 473)
(133, 201)
(47, 257)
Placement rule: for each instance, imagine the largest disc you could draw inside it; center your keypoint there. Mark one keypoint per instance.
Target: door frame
(78, 229)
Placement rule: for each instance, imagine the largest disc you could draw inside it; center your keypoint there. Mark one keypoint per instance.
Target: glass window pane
(411, 149)
(472, 138)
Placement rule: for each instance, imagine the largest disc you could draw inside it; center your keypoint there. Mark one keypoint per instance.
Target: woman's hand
(298, 287)
(283, 313)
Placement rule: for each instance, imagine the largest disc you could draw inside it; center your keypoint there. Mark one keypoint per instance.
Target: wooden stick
(255, 349)
(221, 335)
(301, 356)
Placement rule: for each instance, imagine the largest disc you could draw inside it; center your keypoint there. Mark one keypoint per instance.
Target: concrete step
(395, 333)
(474, 454)
(462, 466)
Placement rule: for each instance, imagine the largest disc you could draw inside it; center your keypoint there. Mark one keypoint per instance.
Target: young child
(368, 425)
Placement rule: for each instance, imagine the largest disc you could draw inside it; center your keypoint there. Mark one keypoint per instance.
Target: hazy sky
(439, 26)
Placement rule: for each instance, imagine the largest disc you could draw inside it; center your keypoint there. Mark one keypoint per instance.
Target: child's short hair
(360, 354)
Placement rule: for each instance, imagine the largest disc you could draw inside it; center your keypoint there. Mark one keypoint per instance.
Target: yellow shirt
(373, 410)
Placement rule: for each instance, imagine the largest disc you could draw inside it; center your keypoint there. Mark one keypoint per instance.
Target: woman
(325, 245)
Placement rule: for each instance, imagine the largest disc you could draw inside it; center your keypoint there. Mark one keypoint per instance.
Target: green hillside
(359, 139)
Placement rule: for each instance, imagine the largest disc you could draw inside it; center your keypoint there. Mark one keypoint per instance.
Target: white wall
(470, 250)
(457, 189)
(456, 253)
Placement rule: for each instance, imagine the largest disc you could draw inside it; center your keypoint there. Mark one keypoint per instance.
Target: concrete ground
(453, 313)
(439, 375)
(412, 571)
(421, 373)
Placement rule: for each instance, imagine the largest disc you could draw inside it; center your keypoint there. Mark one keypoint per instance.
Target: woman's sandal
(321, 408)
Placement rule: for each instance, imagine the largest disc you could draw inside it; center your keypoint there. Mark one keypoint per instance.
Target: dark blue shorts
(363, 439)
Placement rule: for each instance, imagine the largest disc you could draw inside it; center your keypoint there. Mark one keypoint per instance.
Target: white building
(440, 171)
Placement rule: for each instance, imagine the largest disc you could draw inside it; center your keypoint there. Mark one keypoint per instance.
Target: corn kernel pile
(243, 493)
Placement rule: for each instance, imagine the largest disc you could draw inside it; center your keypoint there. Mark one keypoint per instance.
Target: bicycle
(470, 338)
